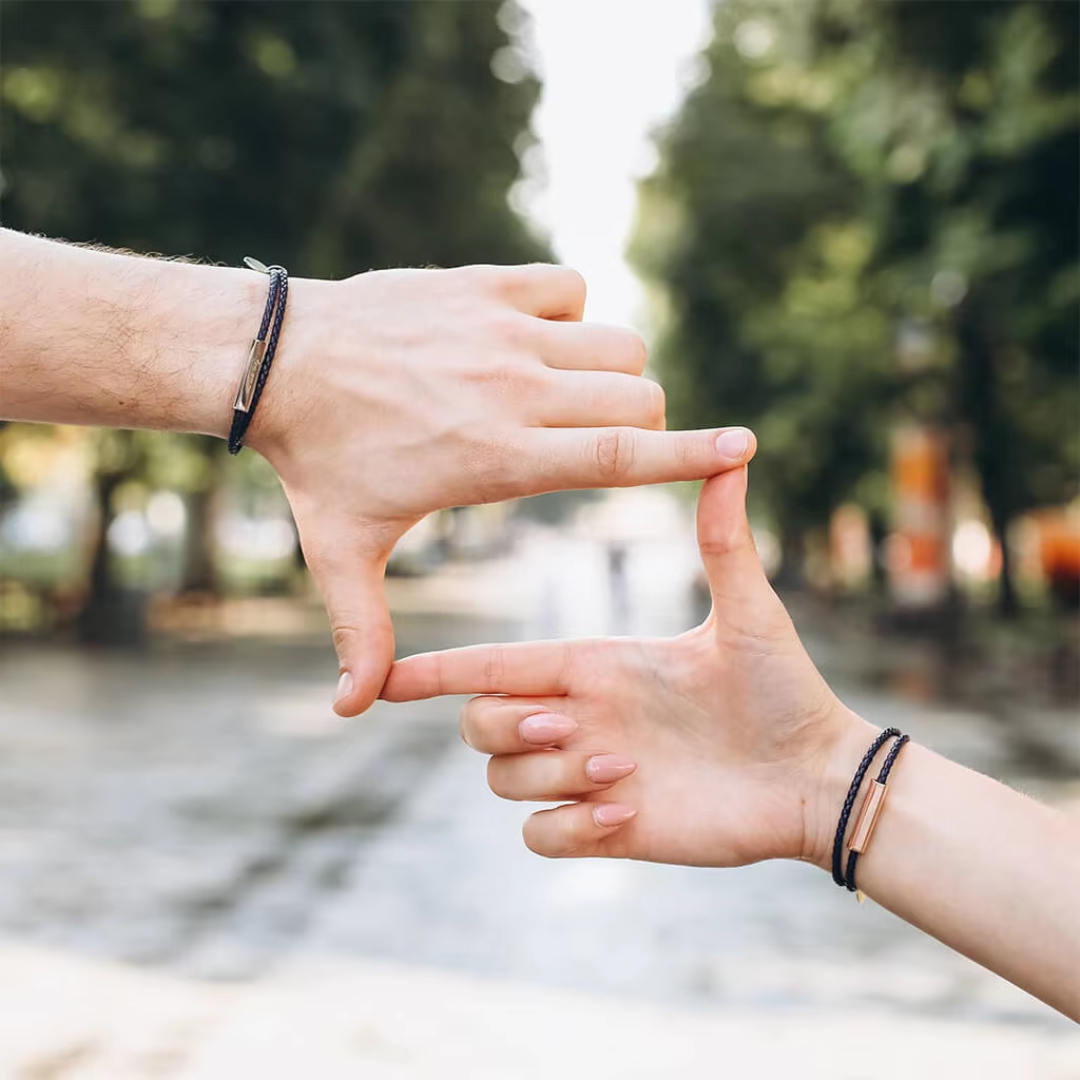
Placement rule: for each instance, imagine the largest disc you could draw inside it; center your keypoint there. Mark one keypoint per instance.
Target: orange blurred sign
(917, 556)
(1059, 551)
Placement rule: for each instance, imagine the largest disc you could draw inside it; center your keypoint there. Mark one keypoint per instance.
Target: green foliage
(851, 165)
(761, 253)
(331, 137)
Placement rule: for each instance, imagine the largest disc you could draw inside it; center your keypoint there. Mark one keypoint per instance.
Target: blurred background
(849, 224)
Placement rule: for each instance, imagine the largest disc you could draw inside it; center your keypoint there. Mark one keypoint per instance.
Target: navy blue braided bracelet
(849, 802)
(261, 353)
(882, 778)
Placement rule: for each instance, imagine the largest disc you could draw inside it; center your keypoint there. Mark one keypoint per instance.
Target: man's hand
(400, 392)
(393, 394)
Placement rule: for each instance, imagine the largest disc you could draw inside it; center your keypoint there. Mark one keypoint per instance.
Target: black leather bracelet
(849, 802)
(261, 353)
(874, 807)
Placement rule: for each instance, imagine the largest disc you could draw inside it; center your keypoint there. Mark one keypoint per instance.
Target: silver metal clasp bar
(246, 389)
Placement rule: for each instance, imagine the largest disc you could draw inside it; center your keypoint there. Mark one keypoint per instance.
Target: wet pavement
(195, 811)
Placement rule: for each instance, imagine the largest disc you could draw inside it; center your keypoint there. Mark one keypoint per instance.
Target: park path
(203, 874)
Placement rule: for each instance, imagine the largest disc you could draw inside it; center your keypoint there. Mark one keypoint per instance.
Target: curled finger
(578, 830)
(502, 725)
(548, 775)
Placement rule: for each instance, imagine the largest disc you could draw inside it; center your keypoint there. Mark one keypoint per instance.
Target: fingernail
(607, 768)
(609, 815)
(546, 728)
(344, 687)
(732, 444)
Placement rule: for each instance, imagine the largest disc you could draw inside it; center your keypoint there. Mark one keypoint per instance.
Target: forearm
(988, 871)
(92, 337)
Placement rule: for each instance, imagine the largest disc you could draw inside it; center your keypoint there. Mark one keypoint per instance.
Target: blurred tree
(330, 137)
(846, 167)
(976, 182)
(750, 224)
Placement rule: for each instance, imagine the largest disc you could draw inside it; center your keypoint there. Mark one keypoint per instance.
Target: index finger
(626, 456)
(527, 669)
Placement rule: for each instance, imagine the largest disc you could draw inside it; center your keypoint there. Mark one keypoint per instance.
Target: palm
(705, 715)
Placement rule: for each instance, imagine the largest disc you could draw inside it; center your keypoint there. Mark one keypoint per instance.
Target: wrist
(829, 781)
(272, 429)
(208, 316)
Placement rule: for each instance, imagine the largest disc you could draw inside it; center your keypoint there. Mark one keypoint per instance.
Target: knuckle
(538, 839)
(497, 377)
(570, 833)
(573, 281)
(490, 469)
(631, 352)
(495, 665)
(507, 282)
(343, 634)
(657, 402)
(499, 780)
(512, 329)
(483, 733)
(466, 726)
(513, 379)
(477, 276)
(614, 450)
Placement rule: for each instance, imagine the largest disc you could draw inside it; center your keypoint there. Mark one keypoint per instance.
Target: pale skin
(725, 746)
(393, 394)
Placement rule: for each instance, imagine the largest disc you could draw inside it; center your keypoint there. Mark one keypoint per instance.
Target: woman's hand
(396, 393)
(724, 746)
(714, 748)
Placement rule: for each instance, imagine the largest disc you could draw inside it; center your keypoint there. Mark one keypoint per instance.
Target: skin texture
(393, 394)
(725, 746)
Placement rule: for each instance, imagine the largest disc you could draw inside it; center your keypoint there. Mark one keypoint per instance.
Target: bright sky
(612, 71)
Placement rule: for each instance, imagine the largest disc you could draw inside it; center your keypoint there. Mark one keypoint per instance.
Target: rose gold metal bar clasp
(868, 815)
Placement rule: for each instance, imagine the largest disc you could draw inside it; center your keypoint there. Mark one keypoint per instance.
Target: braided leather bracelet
(849, 801)
(871, 807)
(261, 353)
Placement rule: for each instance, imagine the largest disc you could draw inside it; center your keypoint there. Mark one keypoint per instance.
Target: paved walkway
(204, 875)
(65, 1017)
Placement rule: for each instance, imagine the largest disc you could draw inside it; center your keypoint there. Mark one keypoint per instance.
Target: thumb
(355, 595)
(363, 635)
(727, 547)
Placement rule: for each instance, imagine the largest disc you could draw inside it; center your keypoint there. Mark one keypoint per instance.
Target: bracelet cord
(882, 777)
(269, 332)
(849, 802)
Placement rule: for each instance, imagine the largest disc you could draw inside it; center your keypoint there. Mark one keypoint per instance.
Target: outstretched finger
(577, 830)
(529, 669)
(627, 456)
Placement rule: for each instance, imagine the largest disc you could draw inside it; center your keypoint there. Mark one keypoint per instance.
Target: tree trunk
(200, 571)
(111, 615)
(979, 400)
(200, 565)
(1008, 602)
(792, 572)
